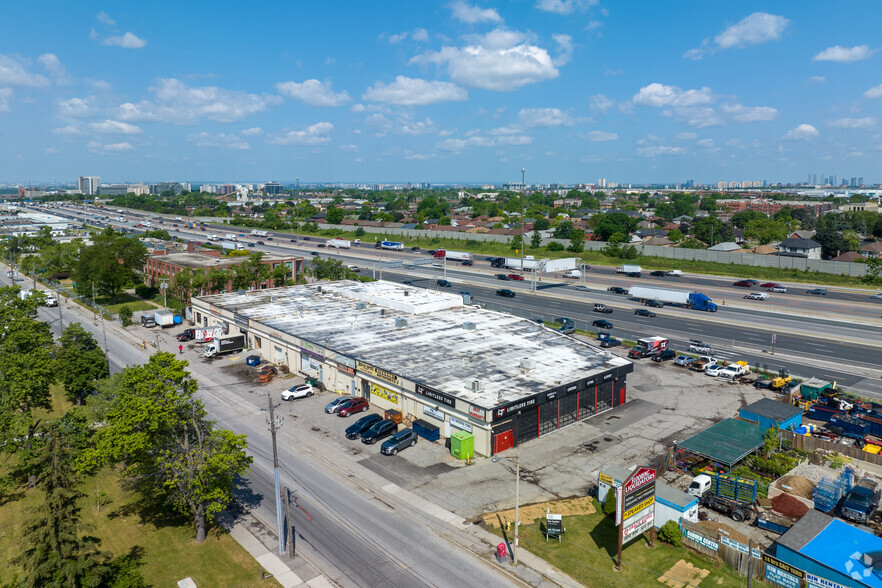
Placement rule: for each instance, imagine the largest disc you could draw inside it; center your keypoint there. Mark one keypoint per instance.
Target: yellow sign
(384, 393)
(635, 509)
(605, 479)
(378, 373)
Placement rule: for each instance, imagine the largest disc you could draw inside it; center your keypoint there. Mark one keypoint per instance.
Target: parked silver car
(333, 406)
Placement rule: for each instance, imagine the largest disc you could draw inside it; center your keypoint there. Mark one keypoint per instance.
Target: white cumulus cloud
(600, 103)
(68, 130)
(745, 114)
(473, 14)
(175, 102)
(501, 60)
(406, 91)
(316, 134)
(110, 147)
(218, 141)
(545, 117)
(13, 73)
(564, 6)
(804, 132)
(499, 137)
(841, 54)
(874, 92)
(126, 41)
(103, 17)
(77, 107)
(759, 27)
(54, 67)
(659, 95)
(852, 123)
(251, 132)
(816, 80)
(601, 136)
(313, 92)
(5, 98)
(114, 127)
(656, 150)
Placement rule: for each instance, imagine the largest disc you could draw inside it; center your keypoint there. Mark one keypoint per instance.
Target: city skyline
(453, 92)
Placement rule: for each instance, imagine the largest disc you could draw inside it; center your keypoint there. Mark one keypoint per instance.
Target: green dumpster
(462, 445)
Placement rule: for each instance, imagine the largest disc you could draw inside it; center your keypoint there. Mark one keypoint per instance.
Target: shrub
(670, 533)
(359, 232)
(555, 246)
(609, 505)
(125, 315)
(145, 291)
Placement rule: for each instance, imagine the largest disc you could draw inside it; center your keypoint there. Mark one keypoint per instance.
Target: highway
(835, 337)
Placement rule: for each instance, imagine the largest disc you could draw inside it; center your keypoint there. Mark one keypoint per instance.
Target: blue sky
(571, 90)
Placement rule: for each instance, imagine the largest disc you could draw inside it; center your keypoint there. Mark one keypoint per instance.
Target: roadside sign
(553, 526)
(635, 507)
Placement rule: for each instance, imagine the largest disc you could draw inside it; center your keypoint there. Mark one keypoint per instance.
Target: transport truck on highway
(338, 243)
(259, 233)
(213, 237)
(224, 345)
(391, 245)
(231, 237)
(628, 269)
(454, 255)
(693, 300)
(232, 246)
(530, 264)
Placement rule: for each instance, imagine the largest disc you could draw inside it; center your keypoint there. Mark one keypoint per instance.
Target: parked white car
(713, 370)
(294, 392)
(732, 371)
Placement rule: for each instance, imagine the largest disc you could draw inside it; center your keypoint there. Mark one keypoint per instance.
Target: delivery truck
(693, 300)
(164, 318)
(391, 245)
(232, 246)
(338, 243)
(259, 233)
(231, 237)
(224, 345)
(530, 264)
(628, 269)
(454, 255)
(213, 237)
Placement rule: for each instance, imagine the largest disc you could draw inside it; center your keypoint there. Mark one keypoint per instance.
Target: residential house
(727, 247)
(848, 256)
(872, 249)
(764, 250)
(802, 234)
(644, 233)
(800, 247)
(658, 241)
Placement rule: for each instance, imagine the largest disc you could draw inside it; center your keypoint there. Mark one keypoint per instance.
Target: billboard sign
(635, 512)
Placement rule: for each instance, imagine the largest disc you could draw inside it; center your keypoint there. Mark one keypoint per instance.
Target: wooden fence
(811, 444)
(718, 545)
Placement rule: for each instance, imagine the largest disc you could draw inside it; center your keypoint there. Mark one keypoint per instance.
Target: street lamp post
(517, 458)
(523, 203)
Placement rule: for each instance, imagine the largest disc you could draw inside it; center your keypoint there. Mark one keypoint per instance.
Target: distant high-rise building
(860, 181)
(88, 185)
(272, 188)
(602, 182)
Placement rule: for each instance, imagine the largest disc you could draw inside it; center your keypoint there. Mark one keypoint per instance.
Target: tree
(80, 362)
(110, 264)
(515, 243)
(712, 230)
(577, 241)
(155, 425)
(562, 230)
(536, 240)
(334, 215)
(328, 269)
(675, 235)
(541, 224)
(692, 243)
(359, 232)
(26, 369)
(766, 230)
(609, 504)
(555, 246)
(281, 276)
(53, 551)
(125, 315)
(605, 225)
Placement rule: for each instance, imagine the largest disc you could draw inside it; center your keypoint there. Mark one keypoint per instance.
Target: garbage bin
(462, 445)
(393, 415)
(252, 360)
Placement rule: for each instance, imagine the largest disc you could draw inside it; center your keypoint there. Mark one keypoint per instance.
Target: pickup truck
(733, 370)
(738, 510)
(861, 502)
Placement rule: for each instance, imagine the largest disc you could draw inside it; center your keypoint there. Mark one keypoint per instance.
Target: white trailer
(454, 255)
(553, 266)
(259, 233)
(231, 237)
(338, 243)
(230, 245)
(392, 245)
(213, 237)
(628, 269)
(679, 297)
(515, 263)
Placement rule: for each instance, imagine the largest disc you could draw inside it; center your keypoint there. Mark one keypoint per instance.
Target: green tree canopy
(80, 361)
(155, 425)
(110, 264)
(335, 215)
(605, 225)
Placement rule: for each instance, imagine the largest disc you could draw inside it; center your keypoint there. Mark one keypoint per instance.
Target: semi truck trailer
(693, 300)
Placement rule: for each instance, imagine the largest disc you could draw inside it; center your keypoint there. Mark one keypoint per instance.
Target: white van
(674, 273)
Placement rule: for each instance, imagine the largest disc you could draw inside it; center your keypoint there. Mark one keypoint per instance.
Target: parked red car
(515, 277)
(353, 406)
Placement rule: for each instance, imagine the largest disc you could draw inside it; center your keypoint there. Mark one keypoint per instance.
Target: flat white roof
(440, 343)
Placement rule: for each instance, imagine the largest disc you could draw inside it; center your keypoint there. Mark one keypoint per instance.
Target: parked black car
(664, 355)
(505, 293)
(398, 441)
(378, 431)
(355, 430)
(817, 292)
(610, 342)
(186, 335)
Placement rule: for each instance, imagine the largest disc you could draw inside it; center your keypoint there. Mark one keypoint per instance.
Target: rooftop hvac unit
(360, 306)
(528, 364)
(382, 312)
(400, 323)
(407, 292)
(318, 289)
(469, 326)
(476, 385)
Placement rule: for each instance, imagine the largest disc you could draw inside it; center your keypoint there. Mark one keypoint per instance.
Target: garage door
(587, 402)
(528, 426)
(569, 409)
(605, 396)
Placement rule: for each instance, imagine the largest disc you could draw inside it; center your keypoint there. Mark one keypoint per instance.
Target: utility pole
(61, 318)
(273, 425)
(523, 202)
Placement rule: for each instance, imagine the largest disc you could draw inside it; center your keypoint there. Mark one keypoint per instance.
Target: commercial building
(88, 185)
(768, 413)
(829, 553)
(771, 207)
(454, 367)
(163, 265)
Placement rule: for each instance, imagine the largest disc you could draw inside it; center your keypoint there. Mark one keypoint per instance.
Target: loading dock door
(605, 396)
(587, 402)
(528, 425)
(569, 409)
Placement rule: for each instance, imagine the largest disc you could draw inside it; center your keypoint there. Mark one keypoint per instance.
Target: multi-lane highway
(835, 337)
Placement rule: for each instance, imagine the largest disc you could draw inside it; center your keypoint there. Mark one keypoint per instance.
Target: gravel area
(815, 472)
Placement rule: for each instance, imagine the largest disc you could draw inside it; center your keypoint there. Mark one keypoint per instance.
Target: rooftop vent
(527, 364)
(400, 323)
(382, 312)
(476, 386)
(407, 292)
(240, 292)
(469, 326)
(360, 306)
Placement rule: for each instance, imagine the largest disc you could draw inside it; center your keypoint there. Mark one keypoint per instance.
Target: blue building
(767, 413)
(831, 553)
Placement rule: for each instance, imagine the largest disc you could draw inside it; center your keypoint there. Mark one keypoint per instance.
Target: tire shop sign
(638, 503)
(435, 395)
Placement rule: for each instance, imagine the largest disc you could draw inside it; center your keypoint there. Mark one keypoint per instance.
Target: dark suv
(186, 335)
(505, 293)
(617, 290)
(398, 441)
(664, 355)
(444, 283)
(379, 431)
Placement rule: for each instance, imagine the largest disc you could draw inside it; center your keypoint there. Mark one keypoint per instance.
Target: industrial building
(502, 378)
